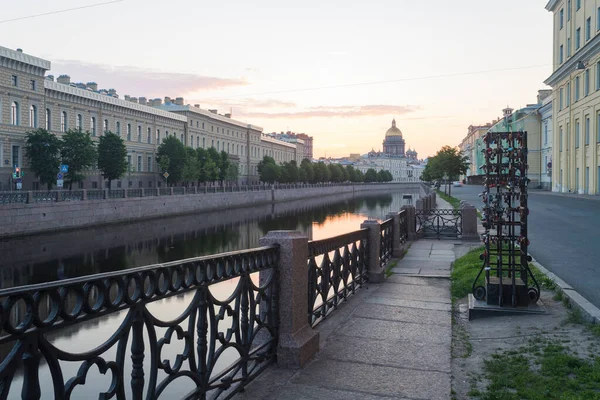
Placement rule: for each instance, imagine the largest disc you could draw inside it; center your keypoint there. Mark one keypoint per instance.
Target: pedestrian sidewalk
(389, 340)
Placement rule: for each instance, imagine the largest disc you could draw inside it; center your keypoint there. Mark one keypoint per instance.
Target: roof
(24, 58)
(189, 108)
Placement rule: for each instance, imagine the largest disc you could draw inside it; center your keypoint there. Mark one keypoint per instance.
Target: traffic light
(17, 173)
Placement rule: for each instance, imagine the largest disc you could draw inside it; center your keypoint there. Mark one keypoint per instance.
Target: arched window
(79, 122)
(139, 134)
(106, 126)
(166, 133)
(182, 138)
(158, 136)
(218, 145)
(33, 116)
(63, 121)
(149, 138)
(14, 113)
(118, 128)
(128, 131)
(93, 125)
(48, 120)
(228, 147)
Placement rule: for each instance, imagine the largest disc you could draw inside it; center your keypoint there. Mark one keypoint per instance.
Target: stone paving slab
(438, 245)
(404, 314)
(412, 292)
(409, 303)
(305, 392)
(447, 253)
(376, 380)
(413, 355)
(408, 263)
(410, 271)
(410, 280)
(393, 330)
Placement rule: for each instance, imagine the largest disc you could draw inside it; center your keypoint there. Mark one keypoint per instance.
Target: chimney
(19, 50)
(167, 99)
(143, 100)
(65, 79)
(112, 92)
(157, 102)
(50, 78)
(213, 111)
(197, 105)
(133, 99)
(228, 115)
(127, 97)
(179, 101)
(92, 85)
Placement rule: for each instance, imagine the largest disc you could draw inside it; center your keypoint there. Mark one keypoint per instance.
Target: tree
(371, 175)
(322, 173)
(307, 173)
(290, 171)
(233, 173)
(270, 173)
(381, 176)
(43, 149)
(172, 148)
(359, 176)
(191, 169)
(351, 173)
(335, 173)
(447, 162)
(112, 156)
(79, 152)
(223, 165)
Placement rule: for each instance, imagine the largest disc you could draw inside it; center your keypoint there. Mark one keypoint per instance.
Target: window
(166, 133)
(587, 130)
(48, 120)
(128, 162)
(598, 127)
(79, 122)
(560, 99)
(212, 143)
(118, 128)
(568, 47)
(561, 18)
(217, 129)
(578, 3)
(106, 126)
(139, 164)
(576, 89)
(586, 83)
(203, 143)
(192, 141)
(560, 138)
(15, 80)
(63, 121)
(546, 133)
(16, 152)
(149, 164)
(149, 135)
(33, 116)
(577, 38)
(577, 179)
(218, 145)
(588, 28)
(598, 19)
(577, 134)
(128, 131)
(32, 84)
(586, 184)
(14, 113)
(182, 138)
(203, 125)
(228, 147)
(139, 134)
(560, 55)
(568, 10)
(93, 125)
(598, 75)
(568, 94)
(158, 136)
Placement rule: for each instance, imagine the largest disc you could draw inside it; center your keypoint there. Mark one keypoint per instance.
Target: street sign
(64, 168)
(19, 186)
(59, 183)
(59, 176)
(166, 175)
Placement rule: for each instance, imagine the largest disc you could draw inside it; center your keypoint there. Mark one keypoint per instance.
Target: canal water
(64, 255)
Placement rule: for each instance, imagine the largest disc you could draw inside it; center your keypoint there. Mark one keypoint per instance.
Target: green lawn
(450, 199)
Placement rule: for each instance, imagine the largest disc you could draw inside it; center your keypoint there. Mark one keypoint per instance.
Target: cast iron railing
(336, 268)
(244, 320)
(386, 240)
(71, 195)
(439, 223)
(116, 193)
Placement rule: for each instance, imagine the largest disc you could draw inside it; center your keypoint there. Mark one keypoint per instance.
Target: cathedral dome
(393, 131)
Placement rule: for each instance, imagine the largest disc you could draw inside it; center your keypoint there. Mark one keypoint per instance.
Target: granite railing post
(184, 190)
(469, 222)
(105, 194)
(434, 194)
(397, 248)
(141, 192)
(84, 194)
(30, 197)
(419, 204)
(125, 193)
(171, 190)
(411, 222)
(376, 271)
(298, 342)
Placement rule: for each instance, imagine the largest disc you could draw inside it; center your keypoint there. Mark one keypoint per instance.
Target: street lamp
(446, 181)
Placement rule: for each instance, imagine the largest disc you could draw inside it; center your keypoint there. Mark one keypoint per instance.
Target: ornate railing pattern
(134, 192)
(45, 197)
(386, 240)
(13, 197)
(165, 191)
(440, 223)
(151, 192)
(116, 193)
(178, 190)
(71, 195)
(336, 268)
(244, 321)
(95, 194)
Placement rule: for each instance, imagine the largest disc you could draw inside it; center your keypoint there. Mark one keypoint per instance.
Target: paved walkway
(392, 340)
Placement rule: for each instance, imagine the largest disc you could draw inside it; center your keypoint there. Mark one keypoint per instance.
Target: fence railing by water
(263, 316)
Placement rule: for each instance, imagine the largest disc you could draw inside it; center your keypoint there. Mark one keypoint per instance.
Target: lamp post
(446, 185)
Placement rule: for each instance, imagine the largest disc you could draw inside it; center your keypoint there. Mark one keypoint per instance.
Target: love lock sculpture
(508, 278)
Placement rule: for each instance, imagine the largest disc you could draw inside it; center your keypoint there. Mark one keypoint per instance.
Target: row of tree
(289, 172)
(448, 163)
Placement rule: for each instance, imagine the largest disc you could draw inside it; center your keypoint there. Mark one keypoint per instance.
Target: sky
(338, 70)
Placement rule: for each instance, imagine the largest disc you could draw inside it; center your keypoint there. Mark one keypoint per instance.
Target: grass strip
(454, 202)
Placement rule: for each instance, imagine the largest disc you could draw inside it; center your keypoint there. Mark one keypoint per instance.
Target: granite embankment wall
(26, 219)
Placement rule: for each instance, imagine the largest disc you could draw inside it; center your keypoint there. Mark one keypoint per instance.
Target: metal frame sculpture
(508, 278)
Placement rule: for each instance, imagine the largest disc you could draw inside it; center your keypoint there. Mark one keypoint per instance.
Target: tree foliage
(174, 149)
(448, 161)
(112, 156)
(79, 152)
(43, 151)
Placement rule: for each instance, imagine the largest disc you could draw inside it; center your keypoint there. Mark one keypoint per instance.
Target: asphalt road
(564, 236)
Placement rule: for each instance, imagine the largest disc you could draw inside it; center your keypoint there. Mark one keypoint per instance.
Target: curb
(590, 312)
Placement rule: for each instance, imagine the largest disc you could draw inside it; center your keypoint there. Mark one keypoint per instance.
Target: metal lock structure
(508, 278)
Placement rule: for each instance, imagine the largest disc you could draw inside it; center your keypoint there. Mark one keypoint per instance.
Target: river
(50, 257)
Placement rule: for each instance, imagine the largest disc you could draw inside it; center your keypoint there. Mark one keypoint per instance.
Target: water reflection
(64, 255)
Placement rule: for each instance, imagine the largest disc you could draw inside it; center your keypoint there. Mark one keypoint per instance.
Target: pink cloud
(337, 111)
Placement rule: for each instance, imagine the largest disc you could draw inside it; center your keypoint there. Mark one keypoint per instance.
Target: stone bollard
(171, 190)
(298, 342)
(125, 193)
(419, 204)
(30, 197)
(105, 194)
(84, 194)
(397, 247)
(376, 271)
(469, 222)
(411, 222)
(434, 195)
(141, 192)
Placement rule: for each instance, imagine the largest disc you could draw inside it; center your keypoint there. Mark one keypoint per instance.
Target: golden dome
(393, 131)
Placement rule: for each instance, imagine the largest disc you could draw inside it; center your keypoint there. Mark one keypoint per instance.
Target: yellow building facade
(575, 82)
